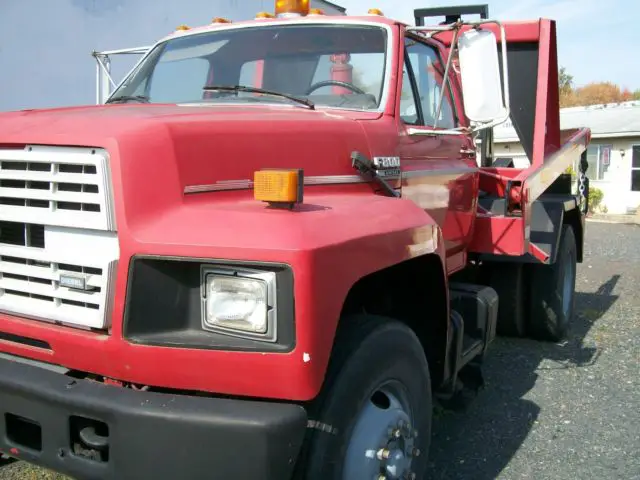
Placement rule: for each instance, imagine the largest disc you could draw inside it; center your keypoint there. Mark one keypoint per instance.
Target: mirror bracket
(456, 27)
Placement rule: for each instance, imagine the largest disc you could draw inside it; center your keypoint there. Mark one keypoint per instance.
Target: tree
(595, 93)
(566, 87)
(565, 80)
(599, 93)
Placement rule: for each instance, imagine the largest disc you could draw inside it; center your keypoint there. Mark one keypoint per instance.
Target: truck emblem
(386, 162)
(387, 167)
(76, 282)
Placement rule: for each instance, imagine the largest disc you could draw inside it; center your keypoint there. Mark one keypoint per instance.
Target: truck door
(439, 172)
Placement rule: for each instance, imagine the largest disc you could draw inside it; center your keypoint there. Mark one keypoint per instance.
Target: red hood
(118, 119)
(158, 150)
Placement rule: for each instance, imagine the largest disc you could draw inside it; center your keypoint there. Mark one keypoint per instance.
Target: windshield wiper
(127, 98)
(242, 88)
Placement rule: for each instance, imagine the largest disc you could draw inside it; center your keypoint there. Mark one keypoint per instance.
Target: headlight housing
(166, 305)
(239, 302)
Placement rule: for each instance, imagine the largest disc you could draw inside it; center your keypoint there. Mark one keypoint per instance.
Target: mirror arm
(505, 70)
(445, 84)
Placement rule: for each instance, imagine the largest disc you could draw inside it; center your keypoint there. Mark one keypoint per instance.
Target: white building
(614, 153)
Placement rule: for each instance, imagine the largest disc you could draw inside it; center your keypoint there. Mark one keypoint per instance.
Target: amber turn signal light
(282, 188)
(288, 7)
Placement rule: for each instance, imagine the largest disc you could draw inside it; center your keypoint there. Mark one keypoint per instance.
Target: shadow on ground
(479, 443)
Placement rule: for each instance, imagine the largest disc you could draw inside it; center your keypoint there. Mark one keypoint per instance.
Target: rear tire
(509, 281)
(553, 292)
(377, 395)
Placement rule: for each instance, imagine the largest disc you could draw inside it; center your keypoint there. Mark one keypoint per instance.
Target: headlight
(240, 302)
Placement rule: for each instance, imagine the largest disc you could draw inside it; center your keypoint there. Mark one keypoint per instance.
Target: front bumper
(43, 414)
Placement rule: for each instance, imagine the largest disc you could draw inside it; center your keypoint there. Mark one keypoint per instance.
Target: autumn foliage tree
(595, 93)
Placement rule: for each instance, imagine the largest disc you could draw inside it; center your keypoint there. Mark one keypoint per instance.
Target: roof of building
(605, 121)
(331, 4)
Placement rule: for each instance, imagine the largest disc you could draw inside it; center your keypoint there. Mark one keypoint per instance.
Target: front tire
(374, 414)
(553, 292)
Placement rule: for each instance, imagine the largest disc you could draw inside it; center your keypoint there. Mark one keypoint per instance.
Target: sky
(602, 30)
(45, 51)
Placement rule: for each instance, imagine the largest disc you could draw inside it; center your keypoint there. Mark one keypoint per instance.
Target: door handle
(467, 151)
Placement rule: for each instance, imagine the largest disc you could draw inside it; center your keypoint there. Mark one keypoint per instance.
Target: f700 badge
(386, 162)
(387, 167)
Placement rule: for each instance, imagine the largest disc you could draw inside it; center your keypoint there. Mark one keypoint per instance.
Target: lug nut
(383, 453)
(382, 476)
(410, 476)
(397, 433)
(415, 452)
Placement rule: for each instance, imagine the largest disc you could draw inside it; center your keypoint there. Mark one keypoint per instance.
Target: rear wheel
(373, 418)
(553, 292)
(509, 281)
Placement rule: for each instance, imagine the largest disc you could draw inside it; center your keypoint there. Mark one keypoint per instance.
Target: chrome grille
(57, 227)
(56, 186)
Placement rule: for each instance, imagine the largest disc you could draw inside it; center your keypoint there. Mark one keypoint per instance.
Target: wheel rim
(567, 286)
(382, 444)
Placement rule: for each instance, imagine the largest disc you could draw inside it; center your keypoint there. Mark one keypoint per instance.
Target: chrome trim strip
(219, 187)
(227, 185)
(334, 180)
(438, 172)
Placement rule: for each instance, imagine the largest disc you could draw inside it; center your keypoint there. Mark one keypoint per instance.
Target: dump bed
(508, 195)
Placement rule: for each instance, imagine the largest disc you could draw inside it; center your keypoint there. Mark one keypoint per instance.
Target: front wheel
(373, 418)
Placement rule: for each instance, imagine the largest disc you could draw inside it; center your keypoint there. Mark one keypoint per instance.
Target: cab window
(408, 104)
(175, 80)
(428, 71)
(335, 65)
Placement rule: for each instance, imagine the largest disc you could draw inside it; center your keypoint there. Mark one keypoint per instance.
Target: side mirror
(484, 101)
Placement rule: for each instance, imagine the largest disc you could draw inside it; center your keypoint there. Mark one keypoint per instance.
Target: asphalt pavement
(549, 411)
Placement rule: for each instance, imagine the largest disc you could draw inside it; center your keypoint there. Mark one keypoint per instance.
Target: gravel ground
(566, 411)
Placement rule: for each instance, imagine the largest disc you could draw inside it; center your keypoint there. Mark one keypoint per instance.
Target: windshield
(330, 65)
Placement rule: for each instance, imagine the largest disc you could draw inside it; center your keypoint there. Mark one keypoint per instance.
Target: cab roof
(336, 19)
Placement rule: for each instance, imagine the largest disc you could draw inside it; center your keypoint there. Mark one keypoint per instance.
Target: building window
(635, 168)
(599, 158)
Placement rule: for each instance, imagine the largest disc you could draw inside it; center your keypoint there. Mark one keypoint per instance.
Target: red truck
(279, 242)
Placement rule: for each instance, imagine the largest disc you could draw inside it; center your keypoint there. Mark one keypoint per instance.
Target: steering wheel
(337, 83)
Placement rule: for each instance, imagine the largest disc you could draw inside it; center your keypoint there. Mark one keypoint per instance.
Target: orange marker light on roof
(376, 11)
(286, 8)
(316, 11)
(220, 20)
(265, 15)
(282, 188)
(183, 27)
